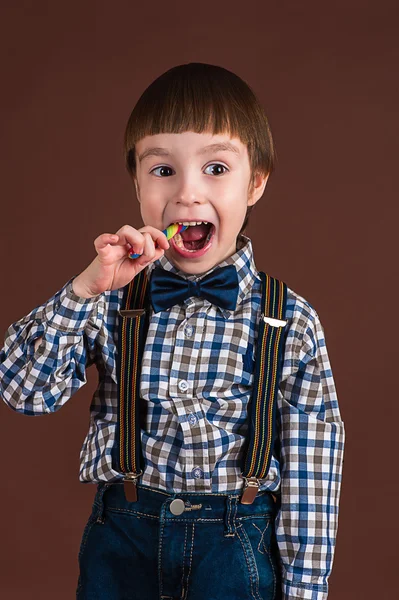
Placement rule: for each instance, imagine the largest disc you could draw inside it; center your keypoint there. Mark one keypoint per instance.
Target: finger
(104, 240)
(149, 251)
(156, 234)
(132, 238)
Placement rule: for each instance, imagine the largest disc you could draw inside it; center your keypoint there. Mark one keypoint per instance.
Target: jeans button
(177, 507)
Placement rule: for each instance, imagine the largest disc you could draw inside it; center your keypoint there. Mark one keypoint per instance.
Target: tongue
(195, 232)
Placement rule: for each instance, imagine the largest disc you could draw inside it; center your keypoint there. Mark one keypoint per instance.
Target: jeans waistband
(198, 506)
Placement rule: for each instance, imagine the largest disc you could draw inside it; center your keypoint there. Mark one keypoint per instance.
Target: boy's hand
(112, 268)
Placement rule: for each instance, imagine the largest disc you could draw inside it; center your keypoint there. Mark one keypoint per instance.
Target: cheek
(234, 214)
(151, 203)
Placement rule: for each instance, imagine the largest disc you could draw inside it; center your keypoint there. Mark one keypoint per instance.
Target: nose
(189, 191)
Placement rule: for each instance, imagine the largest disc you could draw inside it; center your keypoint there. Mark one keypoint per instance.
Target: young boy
(178, 512)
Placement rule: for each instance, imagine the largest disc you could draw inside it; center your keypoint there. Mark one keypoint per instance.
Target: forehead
(188, 142)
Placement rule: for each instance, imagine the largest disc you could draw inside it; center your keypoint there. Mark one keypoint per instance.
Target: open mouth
(195, 237)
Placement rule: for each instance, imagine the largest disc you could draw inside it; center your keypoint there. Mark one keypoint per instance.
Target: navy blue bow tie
(220, 287)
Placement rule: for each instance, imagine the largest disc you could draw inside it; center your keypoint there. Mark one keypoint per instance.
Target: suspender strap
(133, 326)
(127, 457)
(268, 364)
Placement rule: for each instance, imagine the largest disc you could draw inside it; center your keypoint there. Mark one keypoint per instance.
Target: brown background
(327, 77)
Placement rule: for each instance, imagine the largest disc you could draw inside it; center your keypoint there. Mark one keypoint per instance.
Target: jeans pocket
(257, 539)
(92, 519)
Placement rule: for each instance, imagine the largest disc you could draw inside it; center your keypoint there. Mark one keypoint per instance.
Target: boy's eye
(217, 165)
(212, 165)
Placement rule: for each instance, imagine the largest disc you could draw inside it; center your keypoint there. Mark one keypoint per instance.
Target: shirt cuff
(307, 591)
(70, 313)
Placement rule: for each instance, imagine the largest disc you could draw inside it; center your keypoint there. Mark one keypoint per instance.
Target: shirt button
(197, 472)
(188, 330)
(183, 385)
(192, 419)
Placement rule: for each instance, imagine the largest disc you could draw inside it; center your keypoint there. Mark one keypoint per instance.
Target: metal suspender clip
(250, 490)
(130, 486)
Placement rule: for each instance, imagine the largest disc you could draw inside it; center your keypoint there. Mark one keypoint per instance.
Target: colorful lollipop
(169, 232)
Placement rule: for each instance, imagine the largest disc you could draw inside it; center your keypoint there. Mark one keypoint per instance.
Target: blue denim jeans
(216, 549)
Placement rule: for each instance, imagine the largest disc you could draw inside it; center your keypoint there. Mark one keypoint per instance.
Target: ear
(136, 185)
(257, 189)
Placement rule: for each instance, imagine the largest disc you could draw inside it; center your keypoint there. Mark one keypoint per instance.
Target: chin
(190, 266)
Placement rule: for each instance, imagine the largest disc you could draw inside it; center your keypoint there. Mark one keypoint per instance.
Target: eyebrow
(157, 151)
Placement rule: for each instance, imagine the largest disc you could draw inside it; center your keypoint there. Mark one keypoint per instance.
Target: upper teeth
(191, 223)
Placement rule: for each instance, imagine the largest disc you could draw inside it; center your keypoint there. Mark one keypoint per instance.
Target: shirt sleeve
(312, 444)
(39, 382)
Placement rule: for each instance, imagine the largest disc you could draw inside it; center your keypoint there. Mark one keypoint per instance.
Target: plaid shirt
(197, 375)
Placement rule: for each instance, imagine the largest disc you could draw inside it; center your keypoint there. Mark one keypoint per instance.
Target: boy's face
(189, 184)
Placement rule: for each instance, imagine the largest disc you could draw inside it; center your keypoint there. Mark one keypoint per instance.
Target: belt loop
(99, 502)
(230, 516)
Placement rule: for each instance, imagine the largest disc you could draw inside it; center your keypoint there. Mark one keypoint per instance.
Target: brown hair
(202, 98)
